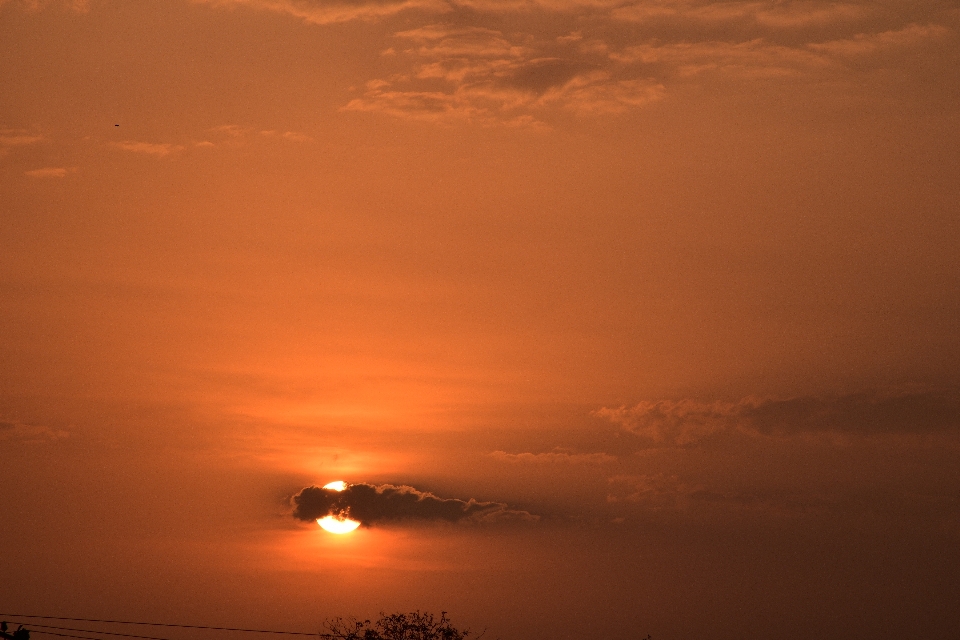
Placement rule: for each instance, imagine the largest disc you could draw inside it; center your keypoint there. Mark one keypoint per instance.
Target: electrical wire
(160, 624)
(107, 633)
(63, 635)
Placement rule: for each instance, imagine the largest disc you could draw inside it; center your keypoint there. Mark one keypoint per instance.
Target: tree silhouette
(396, 626)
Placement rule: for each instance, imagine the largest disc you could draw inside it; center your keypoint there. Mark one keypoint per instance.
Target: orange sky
(679, 278)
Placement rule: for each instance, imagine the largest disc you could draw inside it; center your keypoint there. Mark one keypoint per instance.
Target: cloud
(483, 75)
(292, 136)
(553, 457)
(863, 44)
(321, 12)
(803, 14)
(30, 433)
(370, 504)
(160, 150)
(653, 490)
(598, 93)
(686, 422)
(664, 493)
(455, 60)
(17, 138)
(79, 6)
(779, 15)
(752, 59)
(231, 130)
(50, 172)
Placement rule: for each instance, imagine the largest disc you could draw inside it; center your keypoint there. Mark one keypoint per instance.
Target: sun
(334, 524)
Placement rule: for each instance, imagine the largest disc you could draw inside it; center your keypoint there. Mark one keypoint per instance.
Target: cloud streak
(665, 493)
(686, 422)
(371, 504)
(18, 138)
(158, 149)
(553, 457)
(322, 13)
(50, 172)
(13, 430)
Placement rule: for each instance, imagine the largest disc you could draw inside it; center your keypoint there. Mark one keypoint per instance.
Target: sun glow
(334, 524)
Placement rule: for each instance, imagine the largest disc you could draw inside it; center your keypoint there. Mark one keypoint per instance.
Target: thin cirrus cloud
(863, 44)
(687, 422)
(18, 138)
(321, 13)
(50, 172)
(553, 457)
(371, 504)
(157, 149)
(234, 135)
(770, 14)
(79, 6)
(30, 433)
(659, 492)
(13, 138)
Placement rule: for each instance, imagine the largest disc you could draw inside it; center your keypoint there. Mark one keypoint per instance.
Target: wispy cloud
(50, 172)
(686, 422)
(553, 457)
(30, 433)
(666, 492)
(230, 130)
(784, 15)
(291, 136)
(158, 149)
(320, 12)
(754, 58)
(78, 6)
(18, 138)
(865, 44)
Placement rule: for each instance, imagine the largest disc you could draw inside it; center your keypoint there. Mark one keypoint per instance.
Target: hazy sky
(670, 289)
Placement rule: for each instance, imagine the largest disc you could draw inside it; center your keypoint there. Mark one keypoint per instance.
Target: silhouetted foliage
(396, 626)
(19, 634)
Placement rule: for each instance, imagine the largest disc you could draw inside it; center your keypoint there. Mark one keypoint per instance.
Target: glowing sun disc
(337, 525)
(334, 525)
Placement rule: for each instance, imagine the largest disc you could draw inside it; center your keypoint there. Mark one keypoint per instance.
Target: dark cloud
(859, 413)
(685, 422)
(369, 503)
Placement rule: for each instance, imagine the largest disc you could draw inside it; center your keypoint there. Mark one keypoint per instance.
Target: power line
(64, 635)
(160, 624)
(107, 633)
